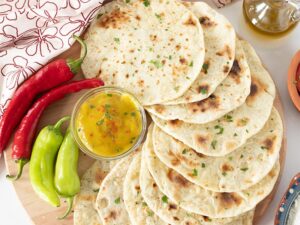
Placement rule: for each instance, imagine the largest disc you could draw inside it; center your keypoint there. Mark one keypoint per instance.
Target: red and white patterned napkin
(34, 31)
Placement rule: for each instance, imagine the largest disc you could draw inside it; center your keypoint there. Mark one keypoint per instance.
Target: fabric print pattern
(16, 72)
(33, 32)
(41, 42)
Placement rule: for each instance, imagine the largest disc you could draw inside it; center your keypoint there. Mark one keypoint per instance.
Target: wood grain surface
(43, 214)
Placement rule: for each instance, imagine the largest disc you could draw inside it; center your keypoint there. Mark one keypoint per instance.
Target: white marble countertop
(276, 55)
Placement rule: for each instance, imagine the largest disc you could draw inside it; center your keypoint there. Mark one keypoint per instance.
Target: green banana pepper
(41, 168)
(66, 180)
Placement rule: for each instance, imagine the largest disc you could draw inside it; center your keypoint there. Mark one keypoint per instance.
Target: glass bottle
(272, 16)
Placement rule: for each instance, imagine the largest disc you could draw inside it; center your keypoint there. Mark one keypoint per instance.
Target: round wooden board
(43, 214)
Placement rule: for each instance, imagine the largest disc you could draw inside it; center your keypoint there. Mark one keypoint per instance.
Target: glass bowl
(108, 90)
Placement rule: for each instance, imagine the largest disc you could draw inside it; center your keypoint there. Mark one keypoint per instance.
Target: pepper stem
(60, 122)
(75, 64)
(69, 209)
(21, 163)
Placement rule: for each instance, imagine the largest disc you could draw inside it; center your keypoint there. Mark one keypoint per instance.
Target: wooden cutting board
(43, 214)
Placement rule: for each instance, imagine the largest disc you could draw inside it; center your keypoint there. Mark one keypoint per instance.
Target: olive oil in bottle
(272, 16)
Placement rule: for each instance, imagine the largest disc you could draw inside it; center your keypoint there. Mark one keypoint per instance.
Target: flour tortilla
(245, 121)
(196, 199)
(170, 211)
(230, 94)
(84, 204)
(173, 213)
(109, 202)
(138, 211)
(153, 51)
(219, 52)
(236, 171)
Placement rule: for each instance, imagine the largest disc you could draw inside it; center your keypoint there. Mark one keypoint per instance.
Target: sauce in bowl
(108, 122)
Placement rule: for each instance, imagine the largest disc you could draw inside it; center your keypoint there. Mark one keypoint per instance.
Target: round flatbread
(230, 94)
(110, 202)
(126, 49)
(84, 203)
(137, 208)
(196, 199)
(173, 214)
(166, 208)
(245, 121)
(236, 171)
(219, 53)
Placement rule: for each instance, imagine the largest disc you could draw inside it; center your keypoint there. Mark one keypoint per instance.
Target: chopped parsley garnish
(109, 95)
(79, 129)
(213, 144)
(92, 106)
(99, 15)
(96, 190)
(117, 149)
(118, 200)
(158, 16)
(144, 204)
(263, 147)
(107, 113)
(203, 91)
(125, 113)
(203, 165)
(170, 57)
(146, 3)
(205, 67)
(221, 129)
(176, 88)
(132, 140)
(230, 158)
(244, 169)
(191, 64)
(244, 121)
(247, 130)
(228, 118)
(235, 134)
(156, 63)
(133, 114)
(224, 174)
(150, 49)
(195, 172)
(184, 151)
(127, 1)
(100, 122)
(150, 213)
(117, 40)
(164, 199)
(242, 156)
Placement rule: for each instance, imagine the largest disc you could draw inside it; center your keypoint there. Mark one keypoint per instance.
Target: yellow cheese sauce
(109, 123)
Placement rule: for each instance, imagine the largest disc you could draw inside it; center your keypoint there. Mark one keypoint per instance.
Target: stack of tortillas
(212, 152)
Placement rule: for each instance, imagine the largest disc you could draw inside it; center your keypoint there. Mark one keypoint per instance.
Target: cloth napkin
(34, 31)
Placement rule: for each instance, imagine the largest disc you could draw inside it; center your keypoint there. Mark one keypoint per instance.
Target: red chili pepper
(23, 139)
(50, 76)
(298, 77)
